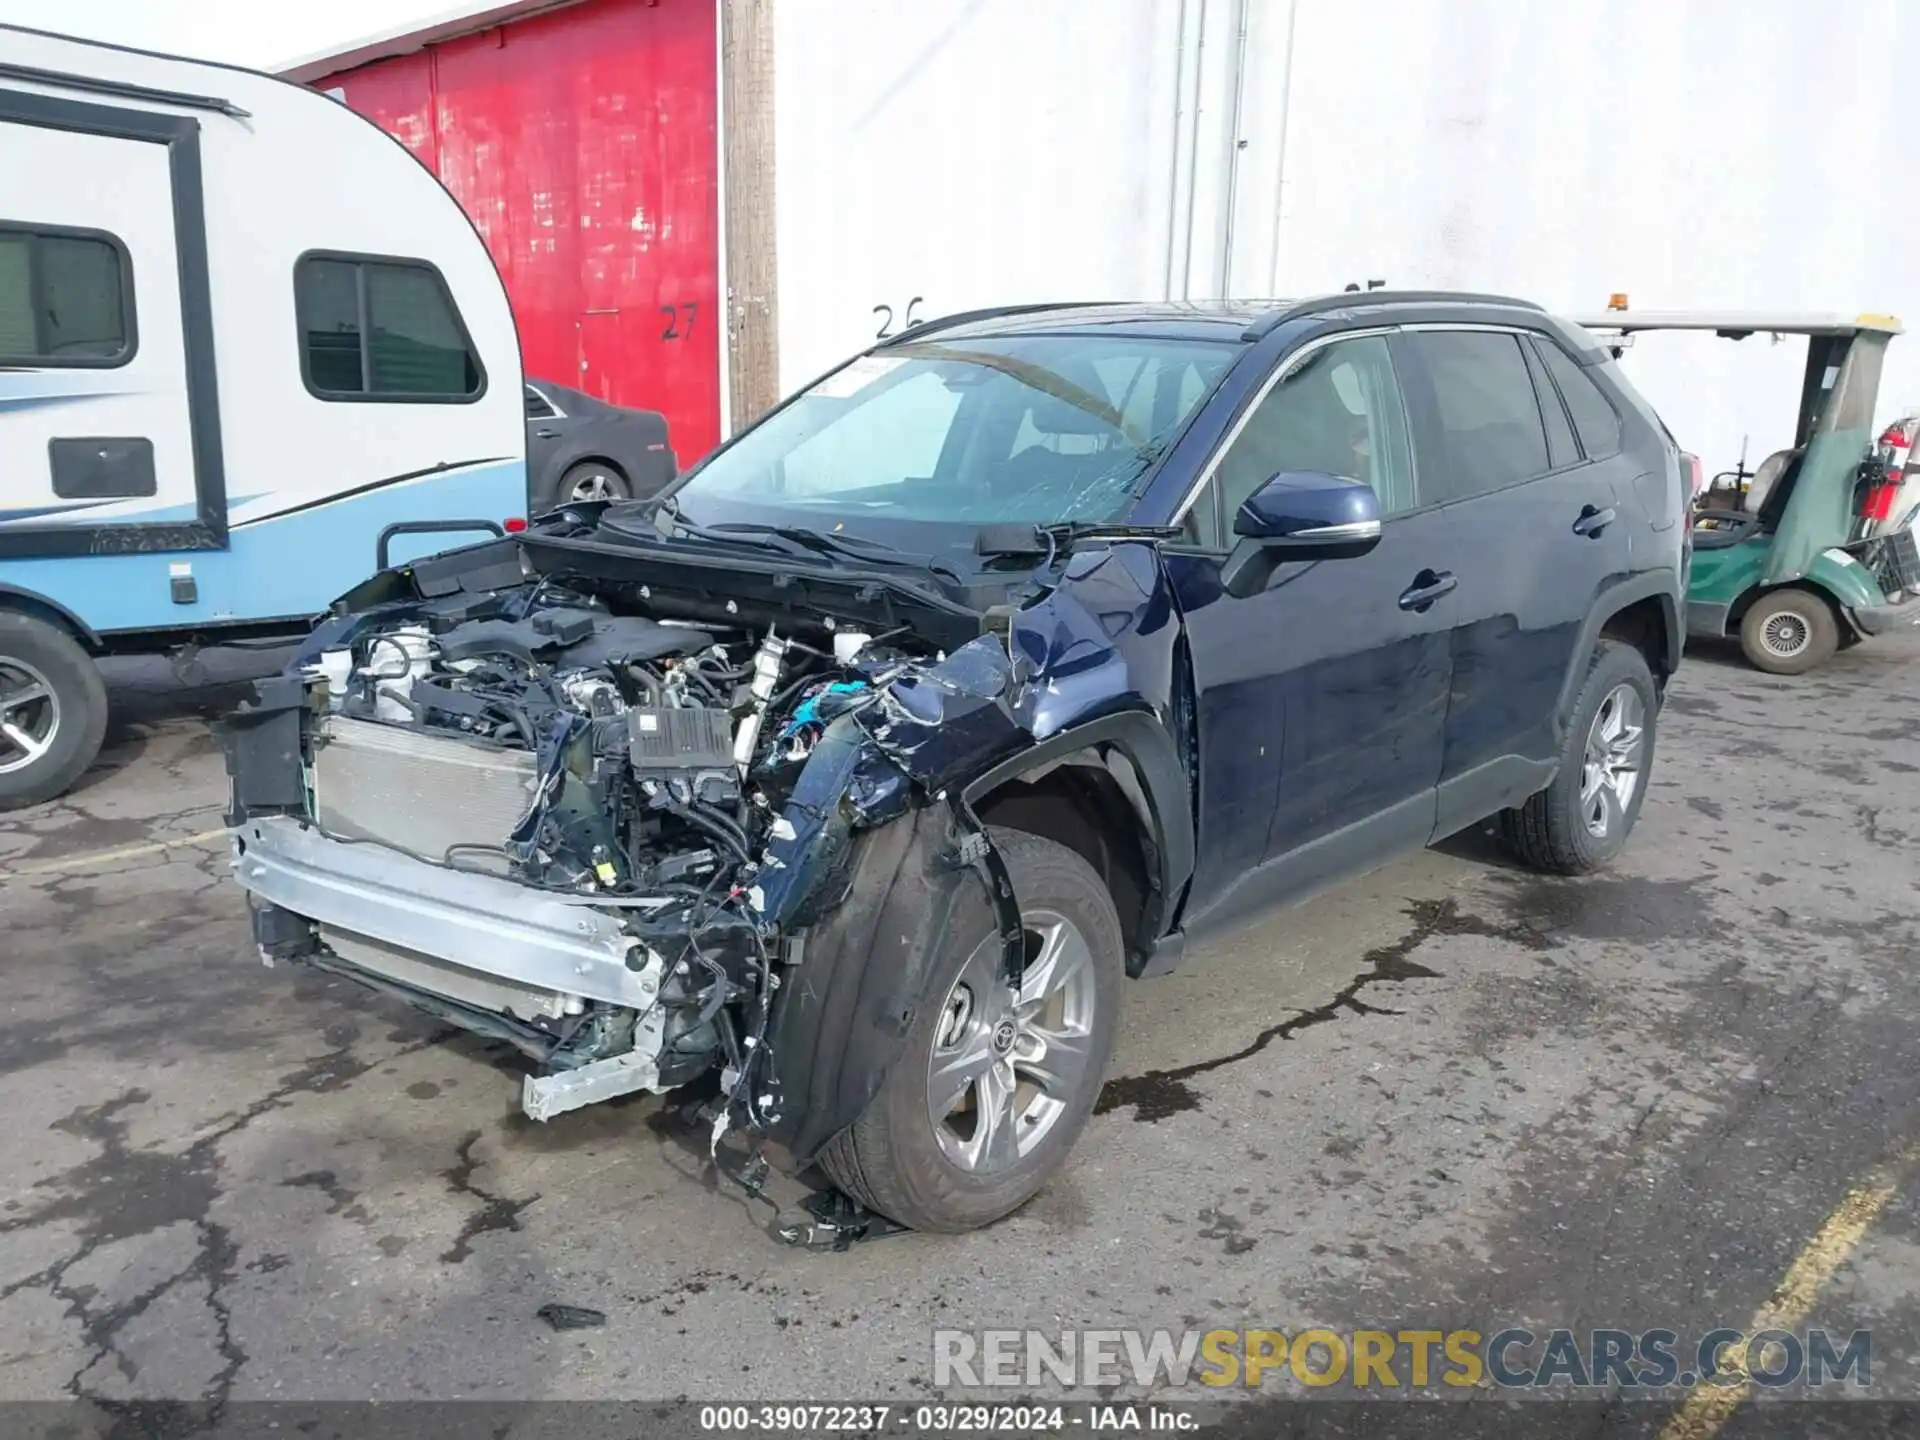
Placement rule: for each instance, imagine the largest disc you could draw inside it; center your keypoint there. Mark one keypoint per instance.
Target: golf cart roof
(1738, 324)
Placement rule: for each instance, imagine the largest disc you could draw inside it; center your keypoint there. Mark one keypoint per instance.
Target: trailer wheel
(53, 711)
(1789, 632)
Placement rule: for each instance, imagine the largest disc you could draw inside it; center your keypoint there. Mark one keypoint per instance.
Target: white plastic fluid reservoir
(849, 643)
(394, 662)
(337, 668)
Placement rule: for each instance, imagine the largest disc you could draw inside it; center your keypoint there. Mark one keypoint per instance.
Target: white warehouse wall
(1693, 153)
(970, 152)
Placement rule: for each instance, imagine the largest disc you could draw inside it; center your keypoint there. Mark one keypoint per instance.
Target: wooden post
(753, 330)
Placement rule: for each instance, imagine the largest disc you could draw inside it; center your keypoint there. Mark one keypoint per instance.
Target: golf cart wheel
(592, 480)
(1581, 820)
(996, 1082)
(53, 711)
(1789, 632)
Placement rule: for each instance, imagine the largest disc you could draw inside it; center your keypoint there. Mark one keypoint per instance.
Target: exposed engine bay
(601, 818)
(633, 769)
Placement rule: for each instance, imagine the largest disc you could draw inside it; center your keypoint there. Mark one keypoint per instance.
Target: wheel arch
(567, 467)
(1114, 791)
(30, 602)
(1642, 610)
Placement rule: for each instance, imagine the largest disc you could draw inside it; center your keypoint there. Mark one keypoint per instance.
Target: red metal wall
(584, 144)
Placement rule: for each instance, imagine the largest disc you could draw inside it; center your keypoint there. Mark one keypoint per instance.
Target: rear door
(94, 414)
(1540, 529)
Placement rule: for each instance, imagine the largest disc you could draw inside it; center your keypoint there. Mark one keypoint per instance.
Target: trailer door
(109, 439)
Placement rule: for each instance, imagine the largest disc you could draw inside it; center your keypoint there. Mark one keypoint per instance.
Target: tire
(896, 1159)
(1789, 632)
(63, 713)
(587, 476)
(1555, 830)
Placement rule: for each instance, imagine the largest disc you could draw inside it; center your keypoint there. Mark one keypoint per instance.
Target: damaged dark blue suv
(847, 782)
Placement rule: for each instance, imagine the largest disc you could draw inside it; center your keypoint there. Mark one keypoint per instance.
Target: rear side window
(1594, 417)
(66, 299)
(1562, 448)
(1491, 432)
(537, 406)
(382, 330)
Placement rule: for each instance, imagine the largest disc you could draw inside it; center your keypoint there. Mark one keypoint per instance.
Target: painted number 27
(680, 319)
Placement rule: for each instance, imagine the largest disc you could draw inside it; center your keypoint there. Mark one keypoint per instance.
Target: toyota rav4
(852, 778)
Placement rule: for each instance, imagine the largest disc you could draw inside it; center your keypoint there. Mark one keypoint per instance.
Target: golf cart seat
(1766, 496)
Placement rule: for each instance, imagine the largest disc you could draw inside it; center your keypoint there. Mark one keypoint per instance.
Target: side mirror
(1299, 515)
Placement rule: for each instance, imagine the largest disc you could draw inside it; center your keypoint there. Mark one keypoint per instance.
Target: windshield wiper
(666, 521)
(1046, 539)
(857, 547)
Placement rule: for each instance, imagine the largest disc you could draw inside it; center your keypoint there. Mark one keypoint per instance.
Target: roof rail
(991, 312)
(1320, 304)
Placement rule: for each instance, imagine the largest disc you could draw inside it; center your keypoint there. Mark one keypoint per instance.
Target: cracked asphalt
(1449, 1094)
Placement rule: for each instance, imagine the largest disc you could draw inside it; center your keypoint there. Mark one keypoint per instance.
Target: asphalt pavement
(1451, 1094)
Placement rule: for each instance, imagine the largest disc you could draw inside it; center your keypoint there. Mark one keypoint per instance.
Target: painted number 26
(907, 322)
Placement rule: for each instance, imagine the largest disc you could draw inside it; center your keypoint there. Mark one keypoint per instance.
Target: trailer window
(65, 299)
(382, 330)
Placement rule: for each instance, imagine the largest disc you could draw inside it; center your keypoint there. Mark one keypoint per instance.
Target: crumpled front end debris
(605, 822)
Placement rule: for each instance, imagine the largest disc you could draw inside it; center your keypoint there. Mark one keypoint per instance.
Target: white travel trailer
(244, 335)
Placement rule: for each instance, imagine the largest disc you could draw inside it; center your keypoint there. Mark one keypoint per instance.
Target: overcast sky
(260, 33)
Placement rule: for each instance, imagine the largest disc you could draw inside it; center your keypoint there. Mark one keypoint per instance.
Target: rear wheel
(1789, 632)
(592, 480)
(996, 1080)
(53, 711)
(1581, 820)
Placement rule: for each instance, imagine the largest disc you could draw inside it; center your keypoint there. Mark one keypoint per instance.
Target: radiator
(424, 794)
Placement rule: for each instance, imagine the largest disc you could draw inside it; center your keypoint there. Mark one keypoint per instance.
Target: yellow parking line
(1787, 1308)
(107, 857)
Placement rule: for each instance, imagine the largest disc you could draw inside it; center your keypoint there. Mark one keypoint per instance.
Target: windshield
(1022, 429)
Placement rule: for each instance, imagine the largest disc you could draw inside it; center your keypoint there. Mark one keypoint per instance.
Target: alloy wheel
(1610, 769)
(29, 715)
(594, 485)
(1007, 1059)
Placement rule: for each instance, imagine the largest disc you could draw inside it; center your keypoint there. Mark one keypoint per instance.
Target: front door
(1322, 700)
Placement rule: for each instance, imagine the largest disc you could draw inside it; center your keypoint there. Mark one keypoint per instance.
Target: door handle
(1427, 587)
(547, 434)
(1592, 521)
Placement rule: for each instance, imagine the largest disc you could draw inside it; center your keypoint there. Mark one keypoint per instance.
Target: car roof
(1737, 324)
(1218, 320)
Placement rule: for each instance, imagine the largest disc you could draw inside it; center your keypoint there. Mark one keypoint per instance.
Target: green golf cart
(1787, 556)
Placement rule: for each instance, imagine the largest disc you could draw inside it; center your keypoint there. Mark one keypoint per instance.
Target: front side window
(1338, 410)
(382, 330)
(1028, 429)
(65, 299)
(1491, 434)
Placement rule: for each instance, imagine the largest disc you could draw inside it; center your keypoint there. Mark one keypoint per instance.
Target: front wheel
(53, 711)
(1789, 632)
(1582, 819)
(997, 1079)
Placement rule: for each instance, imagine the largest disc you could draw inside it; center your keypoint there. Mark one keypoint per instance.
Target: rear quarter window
(1594, 419)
